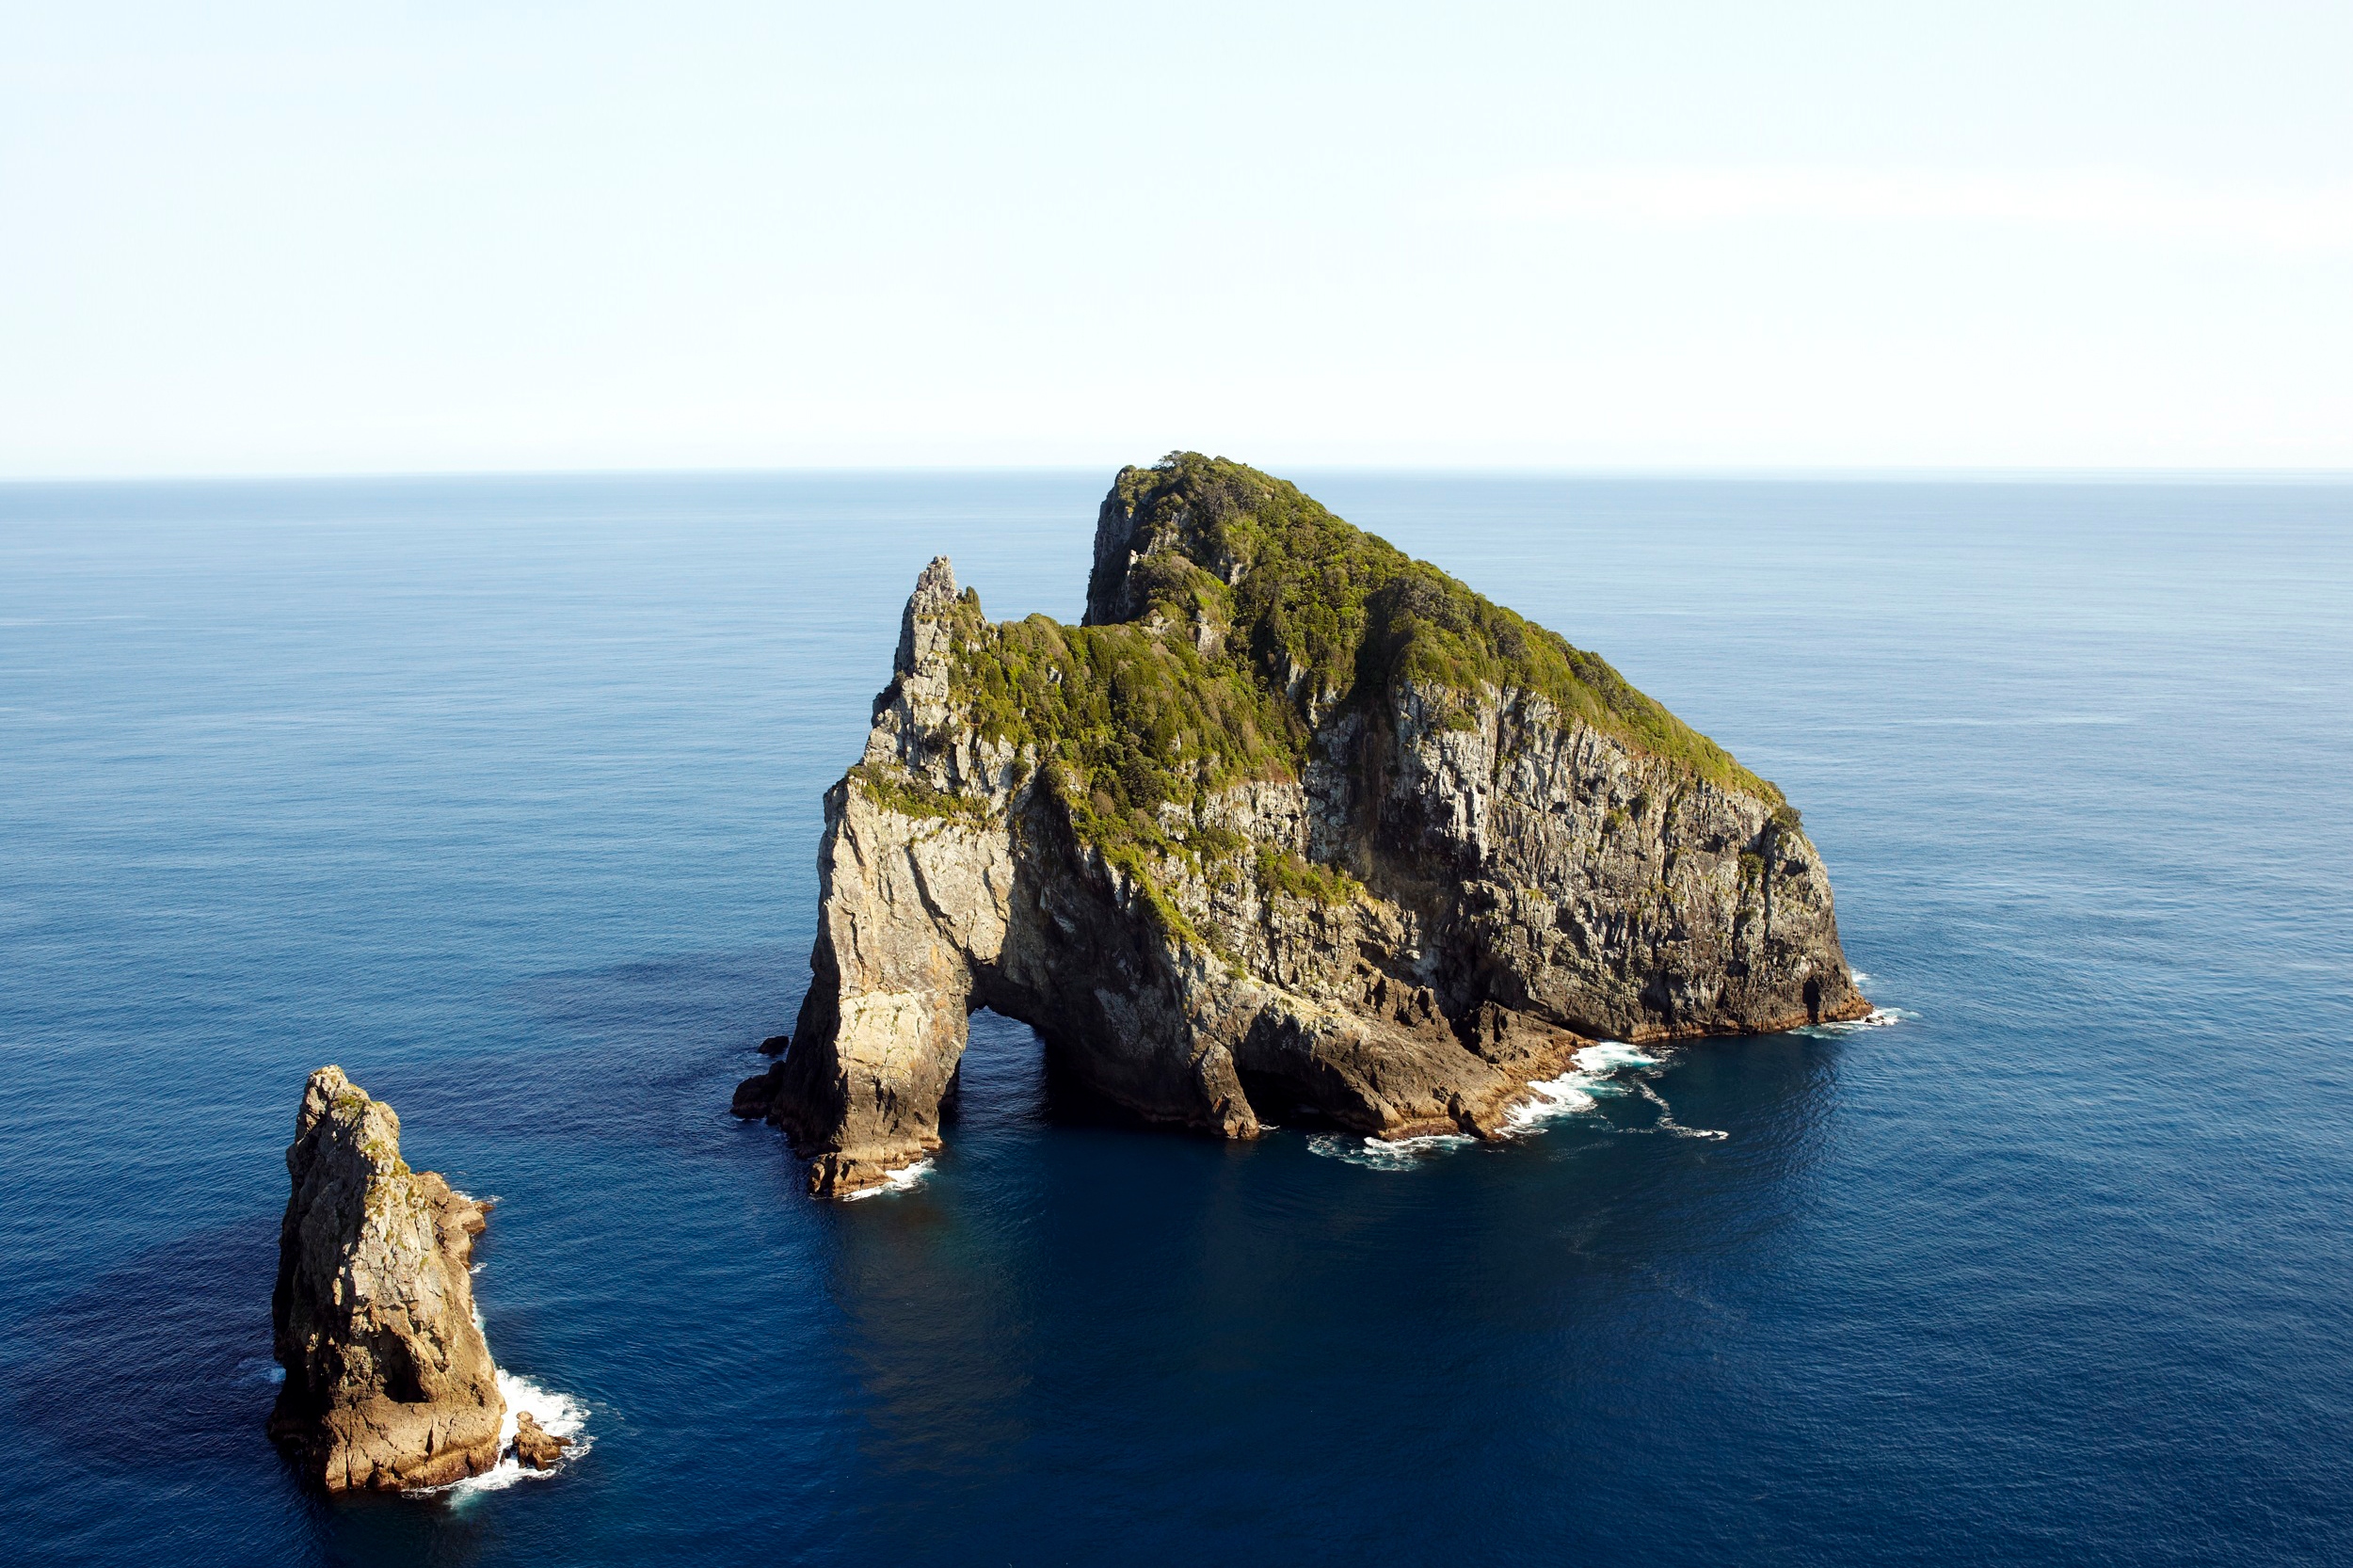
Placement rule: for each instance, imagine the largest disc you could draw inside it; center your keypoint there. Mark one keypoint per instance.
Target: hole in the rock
(1000, 1080)
(1282, 1100)
(1012, 1079)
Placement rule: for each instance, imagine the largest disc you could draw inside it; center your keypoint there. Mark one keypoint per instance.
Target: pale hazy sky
(332, 237)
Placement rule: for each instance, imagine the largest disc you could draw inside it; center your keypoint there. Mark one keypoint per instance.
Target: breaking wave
(897, 1181)
(1385, 1153)
(1878, 1017)
(1575, 1092)
(559, 1414)
(1591, 1077)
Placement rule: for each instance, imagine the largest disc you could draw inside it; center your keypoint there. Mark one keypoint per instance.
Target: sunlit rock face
(389, 1384)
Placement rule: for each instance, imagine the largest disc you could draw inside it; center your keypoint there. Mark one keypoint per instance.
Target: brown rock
(535, 1445)
(754, 1095)
(389, 1384)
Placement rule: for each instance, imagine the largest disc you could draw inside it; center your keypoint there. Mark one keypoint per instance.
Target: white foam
(1666, 1122)
(1878, 1017)
(1384, 1154)
(1569, 1095)
(897, 1181)
(1574, 1093)
(558, 1414)
(1608, 1056)
(1862, 981)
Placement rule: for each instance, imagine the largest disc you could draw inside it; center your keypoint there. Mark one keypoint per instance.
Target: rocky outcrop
(534, 1445)
(1292, 825)
(389, 1384)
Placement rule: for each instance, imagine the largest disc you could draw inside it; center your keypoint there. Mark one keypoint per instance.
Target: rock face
(389, 1384)
(1292, 823)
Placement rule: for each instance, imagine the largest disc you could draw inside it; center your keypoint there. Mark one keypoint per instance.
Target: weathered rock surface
(1292, 823)
(389, 1384)
(534, 1445)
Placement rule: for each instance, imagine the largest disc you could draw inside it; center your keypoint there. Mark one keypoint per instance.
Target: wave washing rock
(1291, 822)
(389, 1384)
(535, 1445)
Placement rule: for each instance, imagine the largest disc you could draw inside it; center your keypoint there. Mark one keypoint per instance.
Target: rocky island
(389, 1386)
(1292, 820)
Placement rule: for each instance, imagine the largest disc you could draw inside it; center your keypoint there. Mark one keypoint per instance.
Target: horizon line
(1749, 472)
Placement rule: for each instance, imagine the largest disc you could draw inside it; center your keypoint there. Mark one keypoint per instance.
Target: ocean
(504, 794)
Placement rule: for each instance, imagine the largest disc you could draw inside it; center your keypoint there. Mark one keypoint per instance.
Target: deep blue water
(504, 794)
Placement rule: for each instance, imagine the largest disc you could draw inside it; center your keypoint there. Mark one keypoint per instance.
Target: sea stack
(1292, 822)
(389, 1384)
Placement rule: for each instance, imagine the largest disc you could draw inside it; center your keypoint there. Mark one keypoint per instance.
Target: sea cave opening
(1278, 1099)
(1000, 1079)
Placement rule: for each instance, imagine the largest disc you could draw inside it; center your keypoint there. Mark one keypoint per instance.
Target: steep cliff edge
(1291, 820)
(389, 1384)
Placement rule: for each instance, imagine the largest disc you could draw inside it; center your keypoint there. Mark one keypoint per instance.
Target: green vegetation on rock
(910, 796)
(1249, 613)
(1288, 871)
(1131, 725)
(1309, 598)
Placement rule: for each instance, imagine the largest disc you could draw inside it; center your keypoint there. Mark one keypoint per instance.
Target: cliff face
(1292, 820)
(389, 1384)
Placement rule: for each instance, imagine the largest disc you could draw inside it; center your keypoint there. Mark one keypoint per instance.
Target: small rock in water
(535, 1445)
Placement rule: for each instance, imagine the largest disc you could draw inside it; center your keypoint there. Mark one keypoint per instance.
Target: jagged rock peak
(918, 635)
(1176, 505)
(1292, 822)
(389, 1384)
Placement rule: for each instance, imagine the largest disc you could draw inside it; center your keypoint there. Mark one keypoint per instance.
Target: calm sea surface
(505, 795)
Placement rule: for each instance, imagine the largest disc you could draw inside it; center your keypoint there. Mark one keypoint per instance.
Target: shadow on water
(1069, 1302)
(1072, 1302)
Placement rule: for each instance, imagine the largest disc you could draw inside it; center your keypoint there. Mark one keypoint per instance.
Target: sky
(334, 237)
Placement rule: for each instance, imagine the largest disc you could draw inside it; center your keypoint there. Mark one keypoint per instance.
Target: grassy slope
(1306, 609)
(1359, 615)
